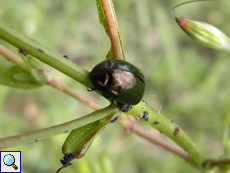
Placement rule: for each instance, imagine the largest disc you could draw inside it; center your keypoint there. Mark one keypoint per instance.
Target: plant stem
(45, 55)
(61, 87)
(214, 163)
(58, 129)
(113, 28)
(11, 56)
(127, 123)
(165, 125)
(168, 128)
(130, 125)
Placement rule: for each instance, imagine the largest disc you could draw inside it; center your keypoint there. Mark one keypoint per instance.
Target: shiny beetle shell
(119, 80)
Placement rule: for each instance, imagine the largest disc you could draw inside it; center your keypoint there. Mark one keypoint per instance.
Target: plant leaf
(34, 67)
(103, 22)
(16, 77)
(80, 139)
(110, 54)
(108, 20)
(101, 16)
(204, 34)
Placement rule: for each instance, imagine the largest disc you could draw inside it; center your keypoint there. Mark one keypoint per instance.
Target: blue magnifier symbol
(9, 160)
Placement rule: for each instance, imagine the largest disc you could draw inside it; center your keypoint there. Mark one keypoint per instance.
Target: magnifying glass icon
(9, 160)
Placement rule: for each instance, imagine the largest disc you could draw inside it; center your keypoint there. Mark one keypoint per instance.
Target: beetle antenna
(162, 100)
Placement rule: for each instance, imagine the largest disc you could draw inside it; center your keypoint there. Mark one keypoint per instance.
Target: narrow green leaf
(110, 54)
(18, 78)
(44, 54)
(204, 34)
(103, 22)
(34, 67)
(80, 139)
(101, 16)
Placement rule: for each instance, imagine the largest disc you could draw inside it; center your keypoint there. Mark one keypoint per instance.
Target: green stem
(45, 55)
(171, 130)
(157, 121)
(58, 129)
(9, 55)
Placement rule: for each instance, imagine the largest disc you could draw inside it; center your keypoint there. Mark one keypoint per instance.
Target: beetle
(119, 80)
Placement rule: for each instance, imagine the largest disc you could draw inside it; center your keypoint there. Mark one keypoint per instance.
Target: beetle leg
(107, 97)
(91, 89)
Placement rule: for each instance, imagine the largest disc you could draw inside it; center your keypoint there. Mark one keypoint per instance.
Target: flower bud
(204, 34)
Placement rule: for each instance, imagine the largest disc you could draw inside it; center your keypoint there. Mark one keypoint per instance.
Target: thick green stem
(58, 129)
(171, 130)
(45, 55)
(156, 120)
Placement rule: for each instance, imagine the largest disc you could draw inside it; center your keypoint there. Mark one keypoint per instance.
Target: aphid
(67, 158)
(146, 116)
(40, 50)
(23, 52)
(66, 56)
(114, 119)
(66, 161)
(177, 131)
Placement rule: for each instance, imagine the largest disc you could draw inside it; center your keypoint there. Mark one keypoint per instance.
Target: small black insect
(146, 116)
(124, 107)
(177, 131)
(40, 50)
(206, 162)
(67, 158)
(66, 161)
(114, 119)
(143, 101)
(23, 52)
(156, 122)
(66, 56)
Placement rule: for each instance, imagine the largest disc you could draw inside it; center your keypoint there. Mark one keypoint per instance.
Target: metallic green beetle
(120, 81)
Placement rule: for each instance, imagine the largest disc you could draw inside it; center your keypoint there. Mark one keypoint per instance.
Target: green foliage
(18, 78)
(80, 139)
(193, 81)
(101, 16)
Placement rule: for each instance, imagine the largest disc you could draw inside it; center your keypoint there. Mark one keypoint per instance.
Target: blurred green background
(193, 81)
